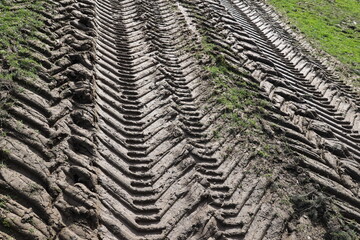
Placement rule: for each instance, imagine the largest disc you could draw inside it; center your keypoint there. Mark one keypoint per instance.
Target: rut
(149, 124)
(141, 66)
(119, 138)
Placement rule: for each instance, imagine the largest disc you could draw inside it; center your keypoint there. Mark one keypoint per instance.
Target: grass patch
(332, 25)
(242, 105)
(321, 210)
(3, 202)
(19, 21)
(6, 223)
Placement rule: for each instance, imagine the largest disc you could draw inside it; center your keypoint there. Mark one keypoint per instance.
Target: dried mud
(121, 137)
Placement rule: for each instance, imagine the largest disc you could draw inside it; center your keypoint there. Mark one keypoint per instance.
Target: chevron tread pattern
(120, 136)
(38, 189)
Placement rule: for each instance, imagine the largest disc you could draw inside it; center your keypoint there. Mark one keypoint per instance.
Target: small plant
(5, 222)
(2, 133)
(21, 90)
(19, 124)
(34, 188)
(343, 235)
(2, 164)
(216, 134)
(3, 202)
(268, 175)
(5, 151)
(263, 154)
(285, 200)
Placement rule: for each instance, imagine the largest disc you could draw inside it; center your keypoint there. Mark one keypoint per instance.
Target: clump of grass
(343, 235)
(322, 210)
(3, 202)
(334, 26)
(242, 105)
(6, 223)
(18, 24)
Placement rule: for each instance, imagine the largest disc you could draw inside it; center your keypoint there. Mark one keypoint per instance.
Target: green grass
(332, 25)
(242, 106)
(18, 24)
(3, 202)
(6, 223)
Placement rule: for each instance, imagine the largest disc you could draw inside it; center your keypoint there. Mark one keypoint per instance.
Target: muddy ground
(180, 119)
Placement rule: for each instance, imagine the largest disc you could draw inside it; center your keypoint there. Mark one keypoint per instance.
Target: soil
(122, 136)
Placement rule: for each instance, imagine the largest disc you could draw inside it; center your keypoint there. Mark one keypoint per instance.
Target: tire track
(242, 197)
(306, 50)
(39, 199)
(319, 157)
(140, 136)
(241, 200)
(343, 125)
(121, 137)
(272, 226)
(168, 180)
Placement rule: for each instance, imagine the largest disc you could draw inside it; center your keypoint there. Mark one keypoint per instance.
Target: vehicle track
(341, 115)
(336, 127)
(297, 75)
(155, 135)
(145, 108)
(39, 195)
(122, 137)
(176, 162)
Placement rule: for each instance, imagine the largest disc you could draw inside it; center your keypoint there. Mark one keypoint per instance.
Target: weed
(2, 133)
(34, 188)
(21, 90)
(5, 151)
(3, 202)
(19, 124)
(266, 151)
(262, 154)
(5, 222)
(285, 201)
(343, 235)
(11, 33)
(315, 206)
(267, 147)
(268, 175)
(2, 164)
(322, 210)
(216, 134)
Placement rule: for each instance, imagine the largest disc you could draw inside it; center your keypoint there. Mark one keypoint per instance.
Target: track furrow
(336, 137)
(37, 133)
(143, 103)
(308, 93)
